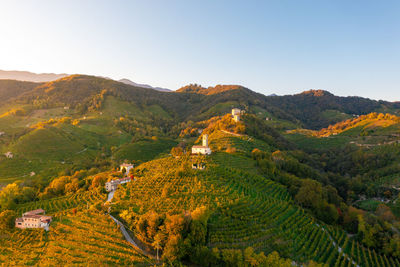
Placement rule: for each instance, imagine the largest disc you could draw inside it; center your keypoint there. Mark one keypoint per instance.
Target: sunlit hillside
(276, 188)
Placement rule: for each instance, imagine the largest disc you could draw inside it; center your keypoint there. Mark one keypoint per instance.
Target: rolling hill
(310, 176)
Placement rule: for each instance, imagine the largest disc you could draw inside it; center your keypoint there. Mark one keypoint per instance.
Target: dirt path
(234, 134)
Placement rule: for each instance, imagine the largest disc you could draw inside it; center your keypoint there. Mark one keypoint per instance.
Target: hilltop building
(126, 168)
(236, 114)
(33, 219)
(113, 185)
(204, 149)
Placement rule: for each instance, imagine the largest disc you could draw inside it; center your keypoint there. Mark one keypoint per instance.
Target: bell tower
(205, 140)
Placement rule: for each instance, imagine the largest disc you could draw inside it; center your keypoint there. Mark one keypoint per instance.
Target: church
(204, 149)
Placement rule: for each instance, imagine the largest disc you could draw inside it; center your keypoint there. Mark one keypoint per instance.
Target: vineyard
(81, 239)
(59, 204)
(247, 210)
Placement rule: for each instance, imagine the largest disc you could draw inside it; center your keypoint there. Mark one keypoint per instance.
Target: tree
(173, 249)
(158, 239)
(310, 193)
(7, 219)
(177, 151)
(385, 213)
(9, 196)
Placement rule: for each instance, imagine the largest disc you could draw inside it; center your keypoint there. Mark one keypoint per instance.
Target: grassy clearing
(369, 204)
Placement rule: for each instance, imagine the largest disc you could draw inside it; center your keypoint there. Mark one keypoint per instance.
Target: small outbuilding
(198, 166)
(126, 167)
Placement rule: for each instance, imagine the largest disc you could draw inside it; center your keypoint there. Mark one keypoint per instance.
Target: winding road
(123, 229)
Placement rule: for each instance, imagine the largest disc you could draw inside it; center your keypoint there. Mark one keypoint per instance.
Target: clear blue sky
(348, 47)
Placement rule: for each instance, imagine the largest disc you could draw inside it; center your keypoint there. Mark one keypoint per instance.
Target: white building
(235, 111)
(236, 114)
(204, 149)
(113, 185)
(126, 168)
(9, 155)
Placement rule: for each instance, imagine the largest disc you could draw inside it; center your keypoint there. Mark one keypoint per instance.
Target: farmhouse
(113, 185)
(2, 133)
(9, 155)
(125, 168)
(33, 219)
(204, 149)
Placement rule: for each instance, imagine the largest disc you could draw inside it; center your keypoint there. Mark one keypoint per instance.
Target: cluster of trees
(10, 89)
(198, 89)
(140, 129)
(323, 201)
(259, 129)
(176, 236)
(226, 123)
(7, 219)
(14, 194)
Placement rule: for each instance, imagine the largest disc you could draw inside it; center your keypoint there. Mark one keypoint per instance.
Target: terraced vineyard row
(214, 186)
(83, 239)
(248, 210)
(63, 203)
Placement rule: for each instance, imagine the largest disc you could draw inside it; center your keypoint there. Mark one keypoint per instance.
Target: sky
(348, 47)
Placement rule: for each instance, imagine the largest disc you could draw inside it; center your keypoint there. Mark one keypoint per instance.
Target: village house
(204, 149)
(236, 114)
(2, 133)
(126, 168)
(9, 155)
(33, 219)
(113, 185)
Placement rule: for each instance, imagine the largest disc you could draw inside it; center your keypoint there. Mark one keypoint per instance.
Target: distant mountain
(30, 76)
(129, 82)
(49, 77)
